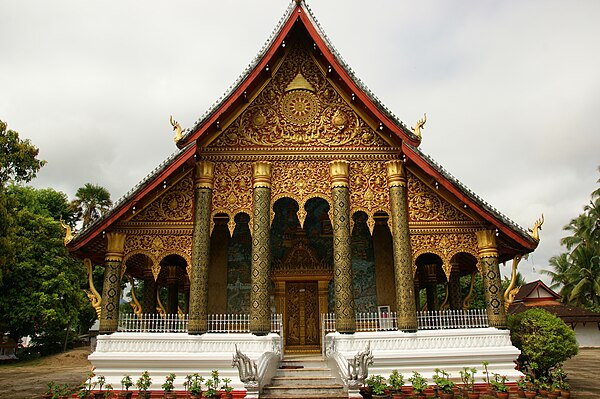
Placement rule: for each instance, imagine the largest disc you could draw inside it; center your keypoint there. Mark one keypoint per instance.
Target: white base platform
(128, 353)
(426, 350)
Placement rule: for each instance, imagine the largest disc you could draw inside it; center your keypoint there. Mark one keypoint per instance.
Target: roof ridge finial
(299, 2)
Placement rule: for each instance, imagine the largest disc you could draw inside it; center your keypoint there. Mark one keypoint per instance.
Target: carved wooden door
(302, 330)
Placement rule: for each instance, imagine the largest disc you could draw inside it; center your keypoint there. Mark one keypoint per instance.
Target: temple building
(298, 206)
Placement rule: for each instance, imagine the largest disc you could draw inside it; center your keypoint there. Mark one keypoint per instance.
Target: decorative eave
(338, 72)
(500, 221)
(125, 204)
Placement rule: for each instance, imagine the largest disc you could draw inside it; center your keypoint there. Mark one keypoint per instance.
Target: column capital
(486, 242)
(261, 174)
(205, 174)
(115, 246)
(339, 172)
(396, 173)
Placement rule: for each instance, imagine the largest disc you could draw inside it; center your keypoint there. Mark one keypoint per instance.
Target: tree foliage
(91, 202)
(42, 290)
(544, 339)
(577, 271)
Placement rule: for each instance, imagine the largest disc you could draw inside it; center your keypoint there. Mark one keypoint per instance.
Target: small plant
(396, 381)
(467, 376)
(442, 381)
(109, 391)
(168, 386)
(499, 383)
(126, 382)
(486, 372)
(194, 384)
(226, 387)
(60, 391)
(101, 382)
(377, 384)
(418, 382)
(144, 382)
(522, 383)
(87, 386)
(212, 384)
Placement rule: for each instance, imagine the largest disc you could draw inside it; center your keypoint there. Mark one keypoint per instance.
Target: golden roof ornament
(300, 83)
(68, 231)
(93, 295)
(511, 290)
(177, 129)
(537, 226)
(420, 125)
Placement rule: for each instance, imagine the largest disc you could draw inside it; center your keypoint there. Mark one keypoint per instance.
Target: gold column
(203, 185)
(405, 295)
(260, 311)
(172, 290)
(430, 286)
(149, 291)
(454, 287)
(345, 319)
(111, 291)
(488, 258)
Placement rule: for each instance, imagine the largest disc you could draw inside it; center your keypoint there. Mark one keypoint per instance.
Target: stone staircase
(305, 377)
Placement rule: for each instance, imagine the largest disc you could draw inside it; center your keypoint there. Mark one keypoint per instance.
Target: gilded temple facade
(299, 194)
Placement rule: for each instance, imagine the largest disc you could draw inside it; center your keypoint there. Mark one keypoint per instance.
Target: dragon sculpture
(177, 129)
(135, 304)
(68, 231)
(93, 295)
(419, 126)
(469, 298)
(537, 226)
(511, 290)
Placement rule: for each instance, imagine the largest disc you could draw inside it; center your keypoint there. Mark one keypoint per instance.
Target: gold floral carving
(176, 204)
(368, 189)
(425, 205)
(286, 113)
(443, 245)
(232, 192)
(301, 181)
(156, 247)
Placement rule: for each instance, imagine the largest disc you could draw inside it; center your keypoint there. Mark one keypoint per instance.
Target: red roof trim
(126, 206)
(500, 225)
(298, 14)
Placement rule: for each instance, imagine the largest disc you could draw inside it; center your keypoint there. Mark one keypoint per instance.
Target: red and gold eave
(193, 141)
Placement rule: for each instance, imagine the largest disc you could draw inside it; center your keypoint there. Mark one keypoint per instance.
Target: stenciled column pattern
(405, 295)
(454, 288)
(345, 318)
(488, 258)
(149, 292)
(203, 186)
(111, 291)
(260, 310)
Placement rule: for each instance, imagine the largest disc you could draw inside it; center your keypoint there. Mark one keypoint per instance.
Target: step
(303, 380)
(304, 372)
(333, 390)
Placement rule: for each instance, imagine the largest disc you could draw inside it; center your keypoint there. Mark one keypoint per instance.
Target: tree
(18, 163)
(544, 339)
(577, 271)
(92, 201)
(42, 291)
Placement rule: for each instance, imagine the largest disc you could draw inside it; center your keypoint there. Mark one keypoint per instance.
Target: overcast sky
(511, 88)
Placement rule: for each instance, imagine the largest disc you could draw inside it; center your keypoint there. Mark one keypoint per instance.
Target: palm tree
(91, 202)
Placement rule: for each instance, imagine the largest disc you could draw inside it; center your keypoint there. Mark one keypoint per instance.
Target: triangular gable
(536, 291)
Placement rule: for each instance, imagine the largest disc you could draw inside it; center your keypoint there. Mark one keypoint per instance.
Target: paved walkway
(583, 373)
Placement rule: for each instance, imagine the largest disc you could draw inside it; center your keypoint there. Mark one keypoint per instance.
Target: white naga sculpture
(246, 368)
(358, 369)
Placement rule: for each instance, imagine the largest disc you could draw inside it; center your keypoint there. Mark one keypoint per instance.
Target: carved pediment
(298, 107)
(426, 205)
(175, 204)
(301, 259)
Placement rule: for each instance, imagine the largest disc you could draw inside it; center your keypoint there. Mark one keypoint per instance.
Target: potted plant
(194, 385)
(101, 381)
(377, 386)
(522, 386)
(419, 385)
(108, 394)
(126, 383)
(485, 364)
(49, 391)
(169, 386)
(60, 391)
(443, 384)
(499, 386)
(212, 386)
(85, 389)
(467, 376)
(227, 388)
(532, 388)
(396, 381)
(143, 384)
(543, 387)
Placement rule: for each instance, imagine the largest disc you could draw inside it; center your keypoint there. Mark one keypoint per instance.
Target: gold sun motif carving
(300, 107)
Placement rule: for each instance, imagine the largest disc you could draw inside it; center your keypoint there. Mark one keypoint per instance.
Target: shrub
(545, 341)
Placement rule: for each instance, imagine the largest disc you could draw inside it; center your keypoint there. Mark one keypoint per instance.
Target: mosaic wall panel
(363, 268)
(239, 256)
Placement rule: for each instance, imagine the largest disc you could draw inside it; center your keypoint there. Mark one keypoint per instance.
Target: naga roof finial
(177, 129)
(420, 125)
(537, 226)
